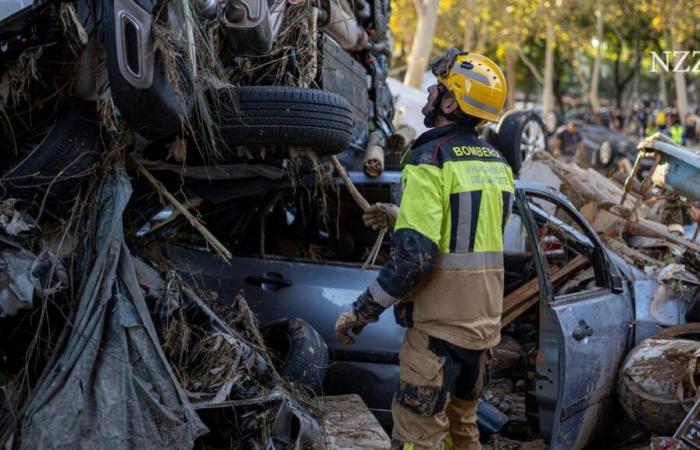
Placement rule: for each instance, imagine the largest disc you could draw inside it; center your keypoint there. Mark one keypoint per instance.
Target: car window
(323, 225)
(518, 259)
(565, 243)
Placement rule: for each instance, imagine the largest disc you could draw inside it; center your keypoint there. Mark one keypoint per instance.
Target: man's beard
(433, 112)
(430, 117)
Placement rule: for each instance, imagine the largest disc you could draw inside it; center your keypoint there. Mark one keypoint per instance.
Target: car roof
(394, 176)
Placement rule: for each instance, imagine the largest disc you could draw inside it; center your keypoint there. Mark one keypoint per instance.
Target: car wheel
(520, 133)
(67, 151)
(603, 155)
(552, 121)
(298, 352)
(287, 116)
(644, 390)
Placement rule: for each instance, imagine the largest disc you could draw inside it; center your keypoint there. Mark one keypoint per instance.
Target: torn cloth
(112, 387)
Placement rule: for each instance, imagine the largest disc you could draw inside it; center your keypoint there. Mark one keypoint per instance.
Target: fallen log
(373, 164)
(402, 138)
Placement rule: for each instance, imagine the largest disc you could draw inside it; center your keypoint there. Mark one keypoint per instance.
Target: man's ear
(449, 104)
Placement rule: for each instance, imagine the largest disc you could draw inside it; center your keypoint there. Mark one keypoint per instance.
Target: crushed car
(568, 298)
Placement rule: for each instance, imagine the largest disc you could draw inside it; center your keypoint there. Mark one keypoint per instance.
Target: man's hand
(381, 215)
(347, 321)
(363, 311)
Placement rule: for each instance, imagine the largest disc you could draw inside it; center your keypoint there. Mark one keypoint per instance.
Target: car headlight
(605, 153)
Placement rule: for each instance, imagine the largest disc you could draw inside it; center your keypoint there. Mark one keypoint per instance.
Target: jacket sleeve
(416, 236)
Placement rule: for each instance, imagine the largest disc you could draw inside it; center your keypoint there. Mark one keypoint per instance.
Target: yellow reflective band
(408, 446)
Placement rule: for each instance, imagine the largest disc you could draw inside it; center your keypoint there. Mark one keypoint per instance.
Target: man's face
(429, 104)
(571, 127)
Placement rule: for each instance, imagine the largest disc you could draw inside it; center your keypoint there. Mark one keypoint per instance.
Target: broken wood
(194, 221)
(373, 163)
(527, 295)
(636, 257)
(651, 228)
(402, 138)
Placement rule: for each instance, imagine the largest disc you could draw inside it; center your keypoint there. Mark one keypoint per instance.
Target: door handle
(274, 281)
(582, 331)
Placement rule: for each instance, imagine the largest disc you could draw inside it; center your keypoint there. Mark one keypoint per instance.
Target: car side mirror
(616, 284)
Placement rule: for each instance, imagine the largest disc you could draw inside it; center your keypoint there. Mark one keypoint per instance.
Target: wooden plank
(349, 424)
(521, 299)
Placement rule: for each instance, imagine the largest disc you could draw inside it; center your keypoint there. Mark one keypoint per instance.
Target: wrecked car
(571, 302)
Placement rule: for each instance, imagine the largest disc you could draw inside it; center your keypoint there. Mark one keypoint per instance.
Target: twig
(359, 199)
(215, 243)
(364, 205)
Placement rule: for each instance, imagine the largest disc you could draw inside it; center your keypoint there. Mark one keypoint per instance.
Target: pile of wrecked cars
(166, 188)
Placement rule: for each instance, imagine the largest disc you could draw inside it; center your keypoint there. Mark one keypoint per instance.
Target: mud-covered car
(575, 307)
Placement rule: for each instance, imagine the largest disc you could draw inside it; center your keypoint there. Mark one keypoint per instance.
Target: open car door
(585, 319)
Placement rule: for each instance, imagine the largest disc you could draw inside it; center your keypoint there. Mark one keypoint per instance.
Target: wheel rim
(533, 138)
(605, 153)
(551, 122)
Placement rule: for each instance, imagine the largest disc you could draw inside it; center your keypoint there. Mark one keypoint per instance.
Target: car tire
(298, 352)
(519, 134)
(658, 413)
(287, 116)
(552, 122)
(68, 150)
(603, 156)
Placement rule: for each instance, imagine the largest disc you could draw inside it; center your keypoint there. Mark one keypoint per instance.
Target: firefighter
(445, 273)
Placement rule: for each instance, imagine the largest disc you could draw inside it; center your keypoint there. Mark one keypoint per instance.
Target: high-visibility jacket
(446, 264)
(676, 132)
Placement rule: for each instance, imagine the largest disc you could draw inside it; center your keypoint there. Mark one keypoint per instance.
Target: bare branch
(530, 65)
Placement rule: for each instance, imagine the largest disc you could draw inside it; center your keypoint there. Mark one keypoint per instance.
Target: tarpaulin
(112, 387)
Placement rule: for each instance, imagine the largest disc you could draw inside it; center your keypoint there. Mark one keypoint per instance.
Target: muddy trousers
(439, 388)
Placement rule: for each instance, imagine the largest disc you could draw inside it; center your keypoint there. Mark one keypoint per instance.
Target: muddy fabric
(464, 432)
(432, 372)
(112, 387)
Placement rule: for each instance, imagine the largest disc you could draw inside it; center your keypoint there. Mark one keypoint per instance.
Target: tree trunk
(595, 77)
(470, 26)
(548, 87)
(511, 76)
(679, 78)
(663, 95)
(426, 10)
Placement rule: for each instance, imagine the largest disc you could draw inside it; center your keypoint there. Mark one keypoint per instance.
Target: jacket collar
(437, 133)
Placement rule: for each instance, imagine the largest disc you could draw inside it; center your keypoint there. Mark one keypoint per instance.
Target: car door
(583, 334)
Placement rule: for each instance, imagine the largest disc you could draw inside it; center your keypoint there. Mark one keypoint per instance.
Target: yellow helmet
(475, 81)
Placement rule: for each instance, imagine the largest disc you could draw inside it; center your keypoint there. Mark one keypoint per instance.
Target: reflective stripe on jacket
(447, 258)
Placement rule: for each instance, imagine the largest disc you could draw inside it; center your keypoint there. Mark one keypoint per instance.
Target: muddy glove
(363, 311)
(381, 215)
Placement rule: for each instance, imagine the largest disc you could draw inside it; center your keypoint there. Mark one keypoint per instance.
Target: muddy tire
(298, 352)
(287, 116)
(519, 134)
(650, 375)
(67, 151)
(603, 156)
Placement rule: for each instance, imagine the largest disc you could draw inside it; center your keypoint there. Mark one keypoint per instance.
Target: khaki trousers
(439, 388)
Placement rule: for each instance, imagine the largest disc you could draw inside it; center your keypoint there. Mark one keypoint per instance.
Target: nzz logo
(683, 61)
